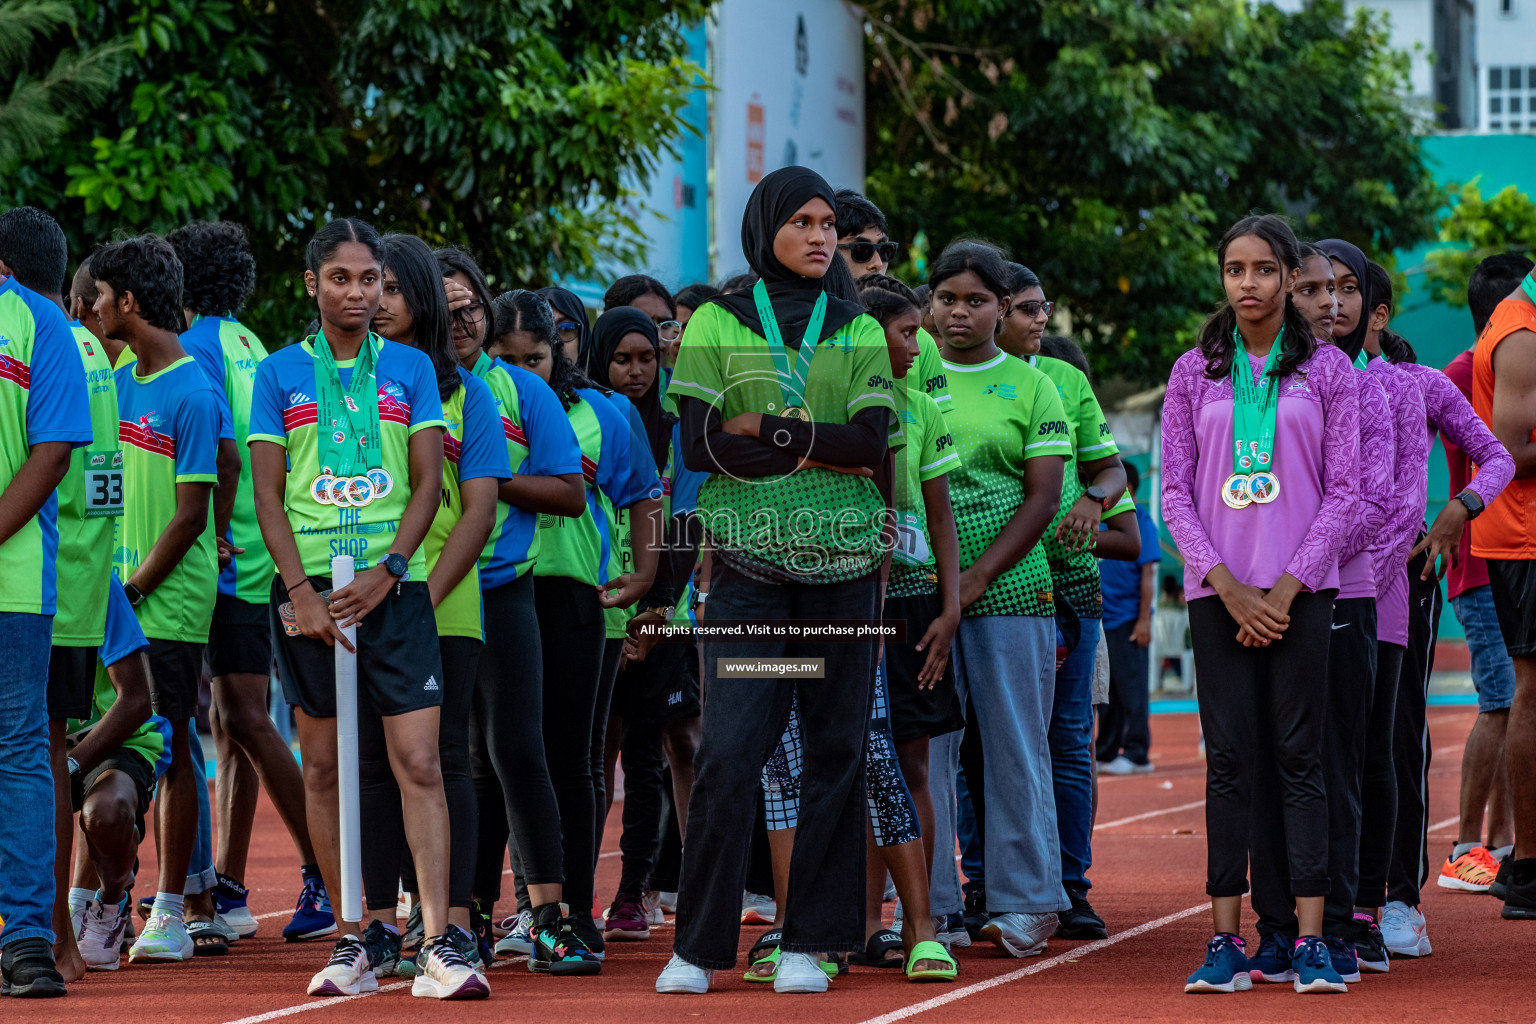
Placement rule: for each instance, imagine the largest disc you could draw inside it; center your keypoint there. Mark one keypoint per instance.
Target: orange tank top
(1507, 527)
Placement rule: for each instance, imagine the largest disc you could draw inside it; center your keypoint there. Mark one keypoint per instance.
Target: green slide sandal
(931, 951)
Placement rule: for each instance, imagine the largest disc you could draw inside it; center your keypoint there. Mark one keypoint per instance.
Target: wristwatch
(398, 565)
(1098, 494)
(135, 595)
(1473, 503)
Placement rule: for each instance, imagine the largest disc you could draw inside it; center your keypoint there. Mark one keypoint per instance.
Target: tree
(1108, 144)
(39, 105)
(1476, 228)
(510, 126)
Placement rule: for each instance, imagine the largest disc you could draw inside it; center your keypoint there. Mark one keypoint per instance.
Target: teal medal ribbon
(1362, 360)
(1528, 285)
(350, 444)
(1255, 405)
(483, 366)
(791, 380)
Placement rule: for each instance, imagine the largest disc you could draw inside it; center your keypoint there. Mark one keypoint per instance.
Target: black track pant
(1410, 865)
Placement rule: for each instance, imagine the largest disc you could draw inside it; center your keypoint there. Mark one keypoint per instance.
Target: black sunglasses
(863, 251)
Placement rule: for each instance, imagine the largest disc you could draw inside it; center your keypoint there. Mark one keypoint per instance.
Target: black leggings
(613, 647)
(384, 863)
(571, 634)
(506, 745)
(1378, 789)
(1262, 711)
(1410, 741)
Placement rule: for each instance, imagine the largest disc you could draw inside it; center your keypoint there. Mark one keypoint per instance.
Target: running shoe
(383, 948)
(1371, 948)
(897, 917)
(1225, 969)
(27, 970)
(1019, 934)
(229, 904)
(1403, 931)
(626, 920)
(480, 925)
(556, 949)
(1520, 896)
(1271, 962)
(800, 973)
(1081, 921)
(757, 909)
(975, 915)
(519, 937)
(668, 902)
(1341, 952)
(1500, 888)
(1121, 765)
(1473, 871)
(312, 917)
(101, 935)
(349, 972)
(589, 934)
(954, 930)
(680, 977)
(654, 915)
(415, 933)
(467, 945)
(443, 972)
(163, 940)
(1314, 968)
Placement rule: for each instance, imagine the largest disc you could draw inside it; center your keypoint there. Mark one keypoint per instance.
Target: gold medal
(1235, 491)
(1263, 486)
(382, 482)
(359, 491)
(320, 488)
(794, 412)
(338, 490)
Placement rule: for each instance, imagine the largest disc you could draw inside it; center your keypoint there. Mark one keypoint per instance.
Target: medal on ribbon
(1255, 405)
(791, 379)
(351, 450)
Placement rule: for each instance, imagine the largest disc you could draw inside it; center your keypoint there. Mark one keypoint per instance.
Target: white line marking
(1447, 823)
(1024, 972)
(1152, 814)
(320, 1003)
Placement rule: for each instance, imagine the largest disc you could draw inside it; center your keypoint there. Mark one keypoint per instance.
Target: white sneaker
(443, 973)
(518, 941)
(680, 977)
(669, 902)
(757, 909)
(240, 921)
(1404, 930)
(1121, 765)
(1020, 934)
(897, 918)
(653, 912)
(101, 936)
(799, 972)
(951, 937)
(163, 940)
(349, 973)
(1142, 769)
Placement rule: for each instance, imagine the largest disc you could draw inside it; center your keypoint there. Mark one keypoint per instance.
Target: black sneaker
(27, 970)
(556, 948)
(1081, 921)
(480, 925)
(590, 934)
(1520, 895)
(1500, 888)
(1371, 949)
(383, 948)
(976, 915)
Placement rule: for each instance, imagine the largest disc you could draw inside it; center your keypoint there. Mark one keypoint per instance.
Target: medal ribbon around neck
(349, 437)
(483, 366)
(791, 380)
(1255, 405)
(1362, 360)
(1528, 285)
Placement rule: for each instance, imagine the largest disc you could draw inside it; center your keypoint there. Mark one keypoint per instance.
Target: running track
(1149, 887)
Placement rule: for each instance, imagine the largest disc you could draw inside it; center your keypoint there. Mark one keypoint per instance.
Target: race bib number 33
(103, 484)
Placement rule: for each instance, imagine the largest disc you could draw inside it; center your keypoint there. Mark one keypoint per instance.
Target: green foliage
(507, 126)
(1108, 144)
(1476, 228)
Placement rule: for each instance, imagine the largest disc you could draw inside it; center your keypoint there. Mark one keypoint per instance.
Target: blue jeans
(1071, 739)
(1006, 665)
(944, 895)
(26, 812)
(1492, 672)
(971, 864)
(200, 873)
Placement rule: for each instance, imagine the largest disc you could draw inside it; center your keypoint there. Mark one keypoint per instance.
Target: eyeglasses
(862, 251)
(669, 330)
(473, 313)
(567, 327)
(1033, 308)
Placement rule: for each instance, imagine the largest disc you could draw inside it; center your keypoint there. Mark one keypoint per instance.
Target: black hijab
(571, 306)
(610, 329)
(769, 208)
(1354, 259)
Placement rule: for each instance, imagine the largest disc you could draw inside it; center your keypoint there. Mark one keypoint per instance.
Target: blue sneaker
(1313, 964)
(1345, 960)
(1225, 968)
(1272, 962)
(312, 918)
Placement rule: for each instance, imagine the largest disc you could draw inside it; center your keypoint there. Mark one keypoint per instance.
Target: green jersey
(928, 372)
(810, 526)
(151, 741)
(90, 501)
(928, 452)
(1005, 413)
(1091, 437)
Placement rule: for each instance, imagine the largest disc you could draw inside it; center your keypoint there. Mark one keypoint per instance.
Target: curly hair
(32, 245)
(217, 266)
(147, 268)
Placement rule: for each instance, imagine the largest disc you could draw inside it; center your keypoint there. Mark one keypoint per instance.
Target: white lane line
(1024, 972)
(1447, 823)
(321, 1003)
(1152, 814)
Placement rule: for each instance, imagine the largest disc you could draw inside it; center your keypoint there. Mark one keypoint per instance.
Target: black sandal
(874, 955)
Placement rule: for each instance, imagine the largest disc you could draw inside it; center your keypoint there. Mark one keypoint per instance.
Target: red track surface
(1149, 884)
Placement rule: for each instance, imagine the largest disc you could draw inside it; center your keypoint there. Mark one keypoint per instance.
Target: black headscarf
(610, 329)
(769, 208)
(571, 306)
(1354, 259)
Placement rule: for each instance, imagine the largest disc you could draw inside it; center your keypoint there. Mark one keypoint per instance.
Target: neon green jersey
(1091, 437)
(151, 741)
(90, 502)
(928, 372)
(1005, 413)
(929, 452)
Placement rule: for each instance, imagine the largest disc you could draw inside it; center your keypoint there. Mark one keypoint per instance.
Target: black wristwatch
(1473, 503)
(135, 595)
(1097, 494)
(398, 565)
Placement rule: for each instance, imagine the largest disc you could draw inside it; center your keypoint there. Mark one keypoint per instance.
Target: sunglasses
(862, 251)
(669, 330)
(567, 326)
(1033, 308)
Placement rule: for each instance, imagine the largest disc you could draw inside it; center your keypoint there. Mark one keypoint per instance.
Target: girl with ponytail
(1261, 439)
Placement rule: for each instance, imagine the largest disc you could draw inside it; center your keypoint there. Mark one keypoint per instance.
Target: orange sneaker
(1473, 871)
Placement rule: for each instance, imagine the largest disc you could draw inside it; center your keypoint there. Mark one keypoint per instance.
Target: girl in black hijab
(570, 310)
(785, 396)
(612, 328)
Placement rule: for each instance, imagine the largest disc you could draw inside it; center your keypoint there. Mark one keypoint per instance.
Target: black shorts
(1514, 599)
(662, 688)
(241, 638)
(398, 666)
(71, 681)
(130, 764)
(916, 713)
(175, 672)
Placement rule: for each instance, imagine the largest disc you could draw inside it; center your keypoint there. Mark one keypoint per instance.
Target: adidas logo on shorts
(431, 683)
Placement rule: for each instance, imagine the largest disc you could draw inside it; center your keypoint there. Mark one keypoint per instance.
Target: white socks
(171, 904)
